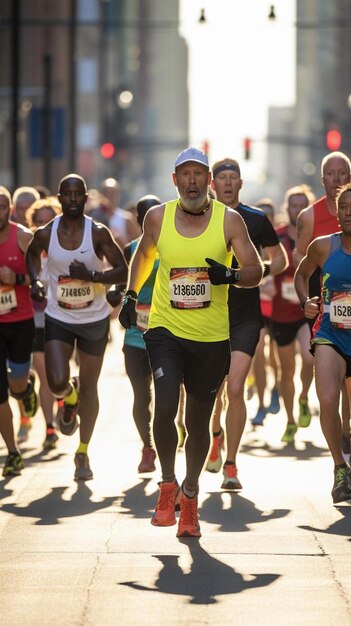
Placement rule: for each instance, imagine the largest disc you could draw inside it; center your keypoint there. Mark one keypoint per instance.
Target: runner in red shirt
(16, 329)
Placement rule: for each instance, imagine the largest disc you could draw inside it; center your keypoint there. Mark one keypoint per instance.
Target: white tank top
(71, 300)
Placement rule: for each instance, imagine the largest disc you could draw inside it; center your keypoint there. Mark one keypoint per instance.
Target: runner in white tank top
(77, 313)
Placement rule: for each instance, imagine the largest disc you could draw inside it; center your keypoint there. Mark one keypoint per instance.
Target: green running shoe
(13, 464)
(290, 432)
(342, 485)
(30, 402)
(305, 414)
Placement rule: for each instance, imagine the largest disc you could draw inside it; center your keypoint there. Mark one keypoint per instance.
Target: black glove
(220, 274)
(37, 291)
(114, 296)
(127, 315)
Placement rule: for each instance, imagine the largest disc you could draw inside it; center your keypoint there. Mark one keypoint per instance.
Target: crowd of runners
(211, 293)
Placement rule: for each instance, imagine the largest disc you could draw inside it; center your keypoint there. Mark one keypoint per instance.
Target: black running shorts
(91, 338)
(201, 365)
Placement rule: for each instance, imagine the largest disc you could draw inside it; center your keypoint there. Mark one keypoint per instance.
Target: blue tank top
(333, 325)
(134, 335)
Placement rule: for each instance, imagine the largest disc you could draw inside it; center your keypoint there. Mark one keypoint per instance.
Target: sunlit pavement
(86, 554)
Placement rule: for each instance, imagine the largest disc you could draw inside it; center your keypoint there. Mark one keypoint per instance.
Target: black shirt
(244, 304)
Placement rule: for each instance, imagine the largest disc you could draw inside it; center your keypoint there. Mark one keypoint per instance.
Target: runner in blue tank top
(331, 336)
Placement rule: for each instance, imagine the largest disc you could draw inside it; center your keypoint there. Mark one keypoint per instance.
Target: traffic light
(247, 148)
(333, 139)
(107, 150)
(205, 146)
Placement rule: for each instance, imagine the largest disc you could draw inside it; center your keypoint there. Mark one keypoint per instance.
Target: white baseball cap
(192, 154)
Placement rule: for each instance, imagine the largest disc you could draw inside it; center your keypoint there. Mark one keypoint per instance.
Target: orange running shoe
(188, 525)
(231, 481)
(214, 462)
(168, 502)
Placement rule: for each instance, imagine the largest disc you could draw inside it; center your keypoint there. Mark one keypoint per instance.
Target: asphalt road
(86, 554)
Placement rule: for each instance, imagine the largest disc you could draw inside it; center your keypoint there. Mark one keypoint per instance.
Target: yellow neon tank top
(184, 301)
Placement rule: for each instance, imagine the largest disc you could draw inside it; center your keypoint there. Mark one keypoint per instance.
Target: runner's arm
(304, 233)
(250, 264)
(38, 244)
(277, 260)
(105, 247)
(317, 252)
(144, 257)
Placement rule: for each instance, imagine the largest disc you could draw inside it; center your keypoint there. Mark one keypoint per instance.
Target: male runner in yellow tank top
(187, 339)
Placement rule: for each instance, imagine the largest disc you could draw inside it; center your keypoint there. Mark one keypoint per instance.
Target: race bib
(340, 309)
(142, 311)
(288, 290)
(8, 300)
(73, 293)
(189, 288)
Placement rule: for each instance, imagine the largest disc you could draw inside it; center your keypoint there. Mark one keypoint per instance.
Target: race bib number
(8, 300)
(340, 310)
(288, 290)
(73, 293)
(189, 288)
(142, 311)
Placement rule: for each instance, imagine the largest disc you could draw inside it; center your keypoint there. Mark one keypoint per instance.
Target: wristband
(36, 281)
(20, 279)
(302, 304)
(235, 277)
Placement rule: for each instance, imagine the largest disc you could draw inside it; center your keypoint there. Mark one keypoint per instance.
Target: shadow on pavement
(208, 577)
(136, 502)
(52, 507)
(341, 527)
(238, 516)
(288, 450)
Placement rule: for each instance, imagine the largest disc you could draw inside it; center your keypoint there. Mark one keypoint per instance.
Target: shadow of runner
(311, 451)
(136, 502)
(208, 577)
(238, 516)
(341, 527)
(51, 508)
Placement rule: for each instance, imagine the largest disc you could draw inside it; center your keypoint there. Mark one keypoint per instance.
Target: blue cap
(192, 154)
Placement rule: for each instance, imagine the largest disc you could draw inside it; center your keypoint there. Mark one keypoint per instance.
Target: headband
(226, 166)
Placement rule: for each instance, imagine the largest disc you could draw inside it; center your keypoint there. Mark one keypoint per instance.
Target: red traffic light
(107, 150)
(247, 148)
(333, 139)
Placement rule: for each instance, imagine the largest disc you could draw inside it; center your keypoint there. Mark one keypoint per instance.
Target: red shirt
(15, 300)
(286, 306)
(324, 222)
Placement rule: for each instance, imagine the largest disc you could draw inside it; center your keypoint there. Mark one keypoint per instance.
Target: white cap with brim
(192, 154)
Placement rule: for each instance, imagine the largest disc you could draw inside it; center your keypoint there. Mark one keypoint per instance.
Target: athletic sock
(189, 493)
(82, 448)
(72, 397)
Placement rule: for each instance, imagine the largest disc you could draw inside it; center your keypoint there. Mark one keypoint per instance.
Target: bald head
(332, 156)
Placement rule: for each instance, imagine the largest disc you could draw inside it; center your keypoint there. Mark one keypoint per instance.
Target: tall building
(299, 137)
(93, 86)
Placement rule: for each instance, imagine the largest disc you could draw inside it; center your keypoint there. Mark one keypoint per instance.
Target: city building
(93, 86)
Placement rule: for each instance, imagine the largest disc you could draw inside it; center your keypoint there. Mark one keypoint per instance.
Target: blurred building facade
(297, 137)
(93, 86)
